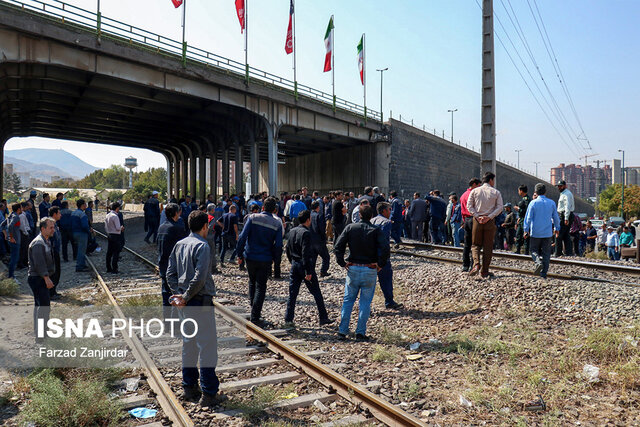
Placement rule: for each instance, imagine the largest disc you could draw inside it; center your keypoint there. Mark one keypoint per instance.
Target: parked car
(636, 223)
(615, 221)
(597, 223)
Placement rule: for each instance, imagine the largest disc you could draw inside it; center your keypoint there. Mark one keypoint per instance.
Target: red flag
(288, 45)
(177, 3)
(240, 10)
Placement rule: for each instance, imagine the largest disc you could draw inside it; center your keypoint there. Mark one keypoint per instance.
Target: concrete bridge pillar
(184, 174)
(225, 170)
(213, 167)
(239, 169)
(255, 164)
(168, 176)
(175, 188)
(202, 177)
(272, 144)
(192, 176)
(2, 142)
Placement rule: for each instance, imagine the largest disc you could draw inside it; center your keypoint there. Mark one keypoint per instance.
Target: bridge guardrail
(106, 27)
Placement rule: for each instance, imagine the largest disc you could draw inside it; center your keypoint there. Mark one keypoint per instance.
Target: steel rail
(517, 270)
(567, 262)
(165, 396)
(109, 28)
(379, 408)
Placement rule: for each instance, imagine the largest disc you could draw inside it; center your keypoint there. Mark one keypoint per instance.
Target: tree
(611, 198)
(12, 181)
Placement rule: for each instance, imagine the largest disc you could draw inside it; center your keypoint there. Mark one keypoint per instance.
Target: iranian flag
(176, 3)
(328, 43)
(240, 10)
(361, 58)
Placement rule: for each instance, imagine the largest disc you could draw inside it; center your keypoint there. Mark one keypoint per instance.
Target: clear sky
(433, 51)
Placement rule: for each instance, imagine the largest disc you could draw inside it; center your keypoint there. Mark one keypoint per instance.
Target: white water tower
(130, 163)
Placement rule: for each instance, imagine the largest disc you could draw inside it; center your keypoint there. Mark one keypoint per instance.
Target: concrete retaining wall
(421, 162)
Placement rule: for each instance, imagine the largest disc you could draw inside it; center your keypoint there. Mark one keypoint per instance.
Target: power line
(556, 65)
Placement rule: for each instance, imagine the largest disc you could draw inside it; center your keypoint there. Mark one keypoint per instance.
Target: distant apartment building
(582, 180)
(8, 168)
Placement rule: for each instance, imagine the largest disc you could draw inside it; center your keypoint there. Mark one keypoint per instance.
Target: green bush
(8, 287)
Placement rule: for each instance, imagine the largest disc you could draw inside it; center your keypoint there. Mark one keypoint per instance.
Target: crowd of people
(194, 238)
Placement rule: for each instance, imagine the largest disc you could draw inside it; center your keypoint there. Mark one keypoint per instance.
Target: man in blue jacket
(397, 222)
(385, 275)
(81, 230)
(260, 243)
(438, 210)
(44, 206)
(540, 222)
(66, 233)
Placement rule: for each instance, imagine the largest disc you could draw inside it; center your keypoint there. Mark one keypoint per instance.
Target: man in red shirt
(467, 222)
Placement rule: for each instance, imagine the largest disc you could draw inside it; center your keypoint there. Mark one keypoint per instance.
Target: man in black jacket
(301, 256)
(368, 253)
(319, 238)
(168, 235)
(337, 215)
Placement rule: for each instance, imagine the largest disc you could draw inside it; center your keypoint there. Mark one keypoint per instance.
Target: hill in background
(43, 163)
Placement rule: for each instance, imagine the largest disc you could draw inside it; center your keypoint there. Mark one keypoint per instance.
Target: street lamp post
(536, 163)
(452, 111)
(381, 113)
(518, 151)
(623, 182)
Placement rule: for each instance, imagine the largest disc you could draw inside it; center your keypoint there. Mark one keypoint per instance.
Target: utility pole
(518, 151)
(536, 163)
(623, 182)
(381, 72)
(452, 111)
(598, 185)
(488, 116)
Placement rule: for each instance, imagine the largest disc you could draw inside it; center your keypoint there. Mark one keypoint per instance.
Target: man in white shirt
(602, 238)
(566, 206)
(613, 244)
(113, 228)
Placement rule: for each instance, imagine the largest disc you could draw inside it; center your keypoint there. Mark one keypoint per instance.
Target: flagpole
(295, 79)
(246, 42)
(99, 22)
(364, 73)
(333, 55)
(184, 25)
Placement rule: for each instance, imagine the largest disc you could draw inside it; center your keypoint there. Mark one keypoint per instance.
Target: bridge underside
(58, 102)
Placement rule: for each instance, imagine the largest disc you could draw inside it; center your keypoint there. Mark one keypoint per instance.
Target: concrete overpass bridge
(69, 73)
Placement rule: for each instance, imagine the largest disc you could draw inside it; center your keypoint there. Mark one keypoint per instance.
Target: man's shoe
(277, 277)
(396, 246)
(362, 337)
(465, 268)
(191, 393)
(326, 321)
(325, 274)
(216, 271)
(396, 306)
(475, 270)
(147, 241)
(55, 297)
(115, 272)
(242, 267)
(261, 323)
(488, 276)
(289, 325)
(82, 270)
(342, 337)
(538, 270)
(210, 400)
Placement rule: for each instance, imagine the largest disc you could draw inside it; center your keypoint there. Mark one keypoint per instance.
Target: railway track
(237, 328)
(559, 261)
(609, 267)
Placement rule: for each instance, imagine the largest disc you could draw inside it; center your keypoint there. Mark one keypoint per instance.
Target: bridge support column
(272, 144)
(2, 142)
(239, 169)
(255, 165)
(175, 190)
(225, 170)
(168, 177)
(184, 175)
(192, 177)
(202, 177)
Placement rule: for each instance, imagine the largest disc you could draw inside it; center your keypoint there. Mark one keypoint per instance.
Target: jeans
(296, 277)
(436, 229)
(363, 280)
(41, 300)
(202, 348)
(152, 223)
(228, 242)
(396, 231)
(113, 252)
(81, 238)
(320, 250)
(468, 241)
(540, 248)
(14, 257)
(385, 277)
(67, 237)
(483, 237)
(612, 253)
(258, 275)
(55, 277)
(455, 233)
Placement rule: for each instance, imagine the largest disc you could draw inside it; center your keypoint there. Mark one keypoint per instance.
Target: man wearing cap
(613, 244)
(566, 207)
(33, 209)
(152, 210)
(539, 224)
